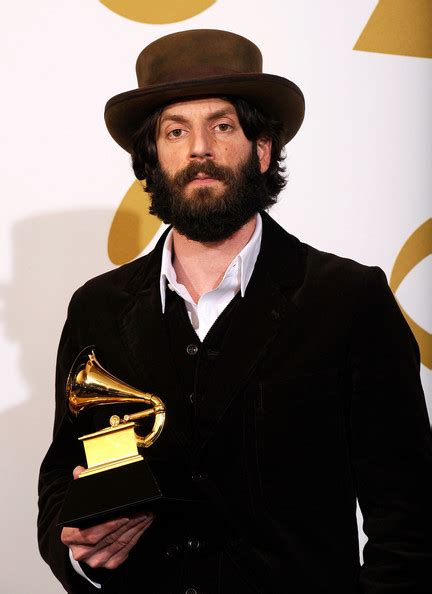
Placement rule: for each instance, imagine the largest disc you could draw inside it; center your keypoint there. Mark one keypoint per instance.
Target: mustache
(189, 173)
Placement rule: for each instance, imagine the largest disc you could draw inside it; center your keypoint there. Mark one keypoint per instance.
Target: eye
(176, 133)
(224, 127)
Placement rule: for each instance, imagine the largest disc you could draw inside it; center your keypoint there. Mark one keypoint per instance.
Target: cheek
(169, 159)
(233, 154)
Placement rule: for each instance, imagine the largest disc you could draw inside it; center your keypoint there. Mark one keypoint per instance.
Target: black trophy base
(108, 494)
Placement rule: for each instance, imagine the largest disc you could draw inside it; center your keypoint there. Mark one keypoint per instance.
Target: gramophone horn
(89, 384)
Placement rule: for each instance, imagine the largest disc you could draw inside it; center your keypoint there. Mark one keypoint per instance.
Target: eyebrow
(182, 120)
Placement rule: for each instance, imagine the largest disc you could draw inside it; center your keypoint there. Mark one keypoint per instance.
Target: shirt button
(191, 349)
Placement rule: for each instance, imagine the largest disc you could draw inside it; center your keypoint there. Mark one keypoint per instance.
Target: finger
(118, 549)
(119, 558)
(121, 540)
(77, 471)
(142, 515)
(115, 539)
(94, 534)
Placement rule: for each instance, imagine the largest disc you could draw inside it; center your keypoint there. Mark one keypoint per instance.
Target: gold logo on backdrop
(158, 11)
(132, 227)
(401, 27)
(417, 247)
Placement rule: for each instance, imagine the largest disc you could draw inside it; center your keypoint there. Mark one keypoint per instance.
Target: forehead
(203, 106)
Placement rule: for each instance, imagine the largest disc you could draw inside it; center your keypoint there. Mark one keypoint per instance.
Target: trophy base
(109, 494)
(109, 465)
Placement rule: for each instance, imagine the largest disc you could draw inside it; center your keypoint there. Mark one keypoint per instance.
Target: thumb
(77, 471)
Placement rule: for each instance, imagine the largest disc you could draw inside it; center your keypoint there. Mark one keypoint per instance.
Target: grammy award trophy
(115, 463)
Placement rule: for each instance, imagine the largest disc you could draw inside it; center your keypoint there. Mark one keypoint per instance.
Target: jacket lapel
(146, 344)
(268, 302)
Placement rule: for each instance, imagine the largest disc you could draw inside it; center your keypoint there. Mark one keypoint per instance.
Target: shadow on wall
(53, 254)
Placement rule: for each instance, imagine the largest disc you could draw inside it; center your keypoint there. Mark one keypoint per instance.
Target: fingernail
(149, 515)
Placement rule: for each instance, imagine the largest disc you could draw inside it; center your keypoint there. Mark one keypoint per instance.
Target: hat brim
(277, 97)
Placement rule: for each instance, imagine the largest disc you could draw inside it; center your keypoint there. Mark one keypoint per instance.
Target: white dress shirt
(210, 305)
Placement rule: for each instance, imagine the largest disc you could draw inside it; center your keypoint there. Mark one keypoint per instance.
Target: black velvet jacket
(314, 400)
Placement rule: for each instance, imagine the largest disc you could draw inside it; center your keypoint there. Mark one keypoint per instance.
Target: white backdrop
(360, 185)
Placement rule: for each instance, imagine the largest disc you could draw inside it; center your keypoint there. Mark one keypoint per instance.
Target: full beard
(206, 215)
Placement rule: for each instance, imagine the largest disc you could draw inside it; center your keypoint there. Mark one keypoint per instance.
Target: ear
(264, 153)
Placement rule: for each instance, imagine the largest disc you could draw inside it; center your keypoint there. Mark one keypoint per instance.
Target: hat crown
(196, 54)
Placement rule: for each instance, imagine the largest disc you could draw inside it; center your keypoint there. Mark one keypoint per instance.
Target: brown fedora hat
(197, 63)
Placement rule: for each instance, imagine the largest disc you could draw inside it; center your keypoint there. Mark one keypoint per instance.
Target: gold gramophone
(115, 467)
(89, 384)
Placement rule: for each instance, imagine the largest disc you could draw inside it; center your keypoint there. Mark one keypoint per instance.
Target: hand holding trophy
(108, 544)
(114, 464)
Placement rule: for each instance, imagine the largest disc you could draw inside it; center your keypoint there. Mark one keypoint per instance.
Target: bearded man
(290, 378)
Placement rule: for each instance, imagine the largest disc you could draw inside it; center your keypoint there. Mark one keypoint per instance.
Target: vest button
(172, 551)
(193, 544)
(191, 349)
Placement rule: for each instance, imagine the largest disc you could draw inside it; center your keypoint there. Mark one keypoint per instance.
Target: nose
(201, 146)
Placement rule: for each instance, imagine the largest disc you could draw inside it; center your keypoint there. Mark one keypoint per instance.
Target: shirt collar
(245, 260)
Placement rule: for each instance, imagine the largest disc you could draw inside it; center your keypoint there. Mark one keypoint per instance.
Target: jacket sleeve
(64, 454)
(391, 447)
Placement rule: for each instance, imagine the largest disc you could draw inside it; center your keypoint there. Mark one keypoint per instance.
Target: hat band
(187, 74)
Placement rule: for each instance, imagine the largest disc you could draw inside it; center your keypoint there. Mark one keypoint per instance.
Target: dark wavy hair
(255, 125)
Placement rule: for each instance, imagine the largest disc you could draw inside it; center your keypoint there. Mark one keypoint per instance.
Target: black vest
(192, 358)
(187, 553)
